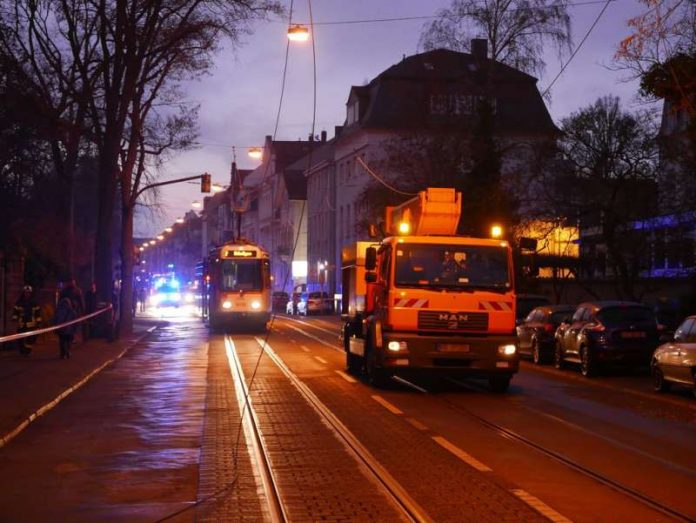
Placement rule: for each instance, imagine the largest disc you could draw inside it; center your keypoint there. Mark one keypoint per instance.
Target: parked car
(279, 300)
(675, 361)
(536, 332)
(605, 332)
(527, 302)
(314, 303)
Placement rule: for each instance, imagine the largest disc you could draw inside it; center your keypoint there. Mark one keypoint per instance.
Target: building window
(447, 104)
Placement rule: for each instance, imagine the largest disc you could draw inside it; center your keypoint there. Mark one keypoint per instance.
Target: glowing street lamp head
(404, 228)
(179, 220)
(196, 204)
(216, 187)
(255, 152)
(168, 229)
(496, 231)
(298, 33)
(160, 237)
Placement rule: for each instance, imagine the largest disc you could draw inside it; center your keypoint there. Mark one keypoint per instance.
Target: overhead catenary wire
(575, 51)
(431, 17)
(381, 180)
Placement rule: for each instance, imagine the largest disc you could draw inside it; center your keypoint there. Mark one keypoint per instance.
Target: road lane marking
(465, 457)
(540, 506)
(311, 325)
(321, 360)
(304, 348)
(417, 424)
(315, 338)
(346, 377)
(389, 406)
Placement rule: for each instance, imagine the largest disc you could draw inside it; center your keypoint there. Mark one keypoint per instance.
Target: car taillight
(548, 327)
(597, 327)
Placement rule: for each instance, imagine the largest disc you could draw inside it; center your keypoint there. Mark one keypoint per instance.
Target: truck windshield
(451, 266)
(241, 275)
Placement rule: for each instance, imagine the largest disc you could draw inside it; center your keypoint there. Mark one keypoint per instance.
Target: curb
(6, 438)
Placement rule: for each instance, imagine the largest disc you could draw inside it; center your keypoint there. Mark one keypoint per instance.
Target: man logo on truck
(453, 319)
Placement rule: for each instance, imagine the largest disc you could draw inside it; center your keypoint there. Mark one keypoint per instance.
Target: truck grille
(453, 321)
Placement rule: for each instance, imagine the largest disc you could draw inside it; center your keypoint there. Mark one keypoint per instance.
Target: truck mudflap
(462, 355)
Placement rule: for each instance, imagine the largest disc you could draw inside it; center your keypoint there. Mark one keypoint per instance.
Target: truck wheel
(499, 384)
(375, 376)
(354, 364)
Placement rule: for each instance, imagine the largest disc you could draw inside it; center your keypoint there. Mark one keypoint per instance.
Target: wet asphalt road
(151, 435)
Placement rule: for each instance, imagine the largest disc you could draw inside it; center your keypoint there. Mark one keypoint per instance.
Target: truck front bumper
(453, 355)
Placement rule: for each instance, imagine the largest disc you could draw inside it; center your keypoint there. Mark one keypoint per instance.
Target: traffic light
(205, 182)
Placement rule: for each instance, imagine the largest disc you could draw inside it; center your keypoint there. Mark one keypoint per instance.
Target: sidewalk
(31, 385)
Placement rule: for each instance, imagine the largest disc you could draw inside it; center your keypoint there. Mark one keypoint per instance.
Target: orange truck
(426, 302)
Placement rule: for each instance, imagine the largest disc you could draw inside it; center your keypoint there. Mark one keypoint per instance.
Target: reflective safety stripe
(411, 303)
(504, 306)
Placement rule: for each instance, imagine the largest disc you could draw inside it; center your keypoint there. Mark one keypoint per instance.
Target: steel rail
(402, 500)
(556, 456)
(253, 435)
(563, 459)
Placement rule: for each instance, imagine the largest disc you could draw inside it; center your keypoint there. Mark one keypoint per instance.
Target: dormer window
(353, 113)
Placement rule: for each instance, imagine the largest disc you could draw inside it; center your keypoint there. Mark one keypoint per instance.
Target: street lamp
(168, 229)
(152, 242)
(160, 237)
(196, 204)
(298, 33)
(216, 187)
(496, 231)
(179, 220)
(255, 152)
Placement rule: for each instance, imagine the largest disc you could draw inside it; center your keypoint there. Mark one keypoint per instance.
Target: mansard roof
(413, 93)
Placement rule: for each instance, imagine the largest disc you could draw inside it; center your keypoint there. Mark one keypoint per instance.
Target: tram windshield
(241, 275)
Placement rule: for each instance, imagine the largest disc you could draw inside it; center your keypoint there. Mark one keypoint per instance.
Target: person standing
(64, 314)
(27, 314)
(73, 292)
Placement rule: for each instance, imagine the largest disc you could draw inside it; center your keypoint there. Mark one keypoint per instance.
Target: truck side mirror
(370, 277)
(370, 259)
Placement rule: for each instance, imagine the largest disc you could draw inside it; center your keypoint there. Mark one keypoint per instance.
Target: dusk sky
(239, 99)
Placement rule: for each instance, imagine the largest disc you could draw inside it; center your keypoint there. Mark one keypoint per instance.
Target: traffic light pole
(203, 177)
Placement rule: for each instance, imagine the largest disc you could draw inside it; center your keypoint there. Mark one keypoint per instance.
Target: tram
(236, 286)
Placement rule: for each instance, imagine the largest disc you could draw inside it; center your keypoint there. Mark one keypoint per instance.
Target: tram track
(401, 500)
(545, 450)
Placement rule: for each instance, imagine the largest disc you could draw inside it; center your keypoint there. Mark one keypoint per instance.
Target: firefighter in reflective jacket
(27, 314)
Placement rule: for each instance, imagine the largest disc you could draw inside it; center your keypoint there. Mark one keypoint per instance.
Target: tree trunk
(126, 323)
(103, 242)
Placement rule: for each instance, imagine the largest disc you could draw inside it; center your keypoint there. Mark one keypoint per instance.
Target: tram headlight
(256, 305)
(507, 350)
(227, 304)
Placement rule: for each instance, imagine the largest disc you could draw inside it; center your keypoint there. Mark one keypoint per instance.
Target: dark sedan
(606, 332)
(536, 332)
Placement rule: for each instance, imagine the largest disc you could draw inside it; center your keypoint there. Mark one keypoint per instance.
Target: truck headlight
(256, 305)
(226, 304)
(396, 346)
(507, 350)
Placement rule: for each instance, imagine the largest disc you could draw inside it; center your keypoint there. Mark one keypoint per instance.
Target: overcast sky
(239, 99)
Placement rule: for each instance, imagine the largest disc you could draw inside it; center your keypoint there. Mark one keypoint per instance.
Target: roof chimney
(323, 136)
(479, 49)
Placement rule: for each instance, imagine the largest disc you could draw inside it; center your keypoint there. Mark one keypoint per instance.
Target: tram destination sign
(240, 253)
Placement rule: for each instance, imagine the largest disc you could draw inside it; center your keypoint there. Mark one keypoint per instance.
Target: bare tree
(613, 156)
(117, 65)
(517, 30)
(660, 50)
